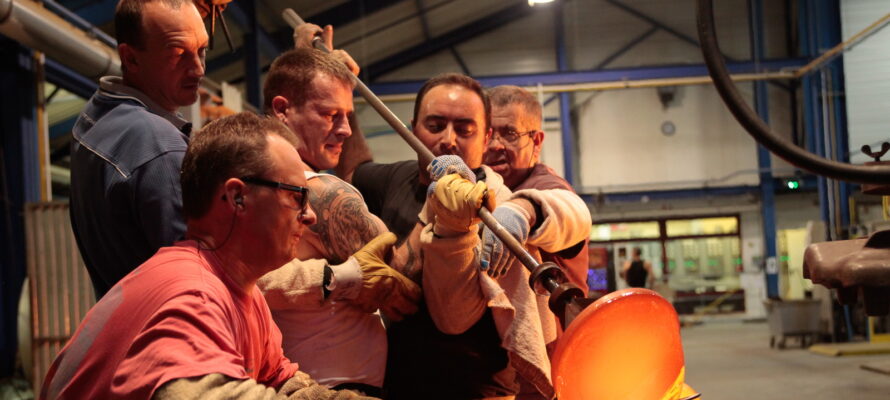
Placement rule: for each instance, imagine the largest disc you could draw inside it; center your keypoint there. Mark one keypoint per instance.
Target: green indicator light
(793, 185)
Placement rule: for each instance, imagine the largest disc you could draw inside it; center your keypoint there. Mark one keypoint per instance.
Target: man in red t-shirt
(190, 322)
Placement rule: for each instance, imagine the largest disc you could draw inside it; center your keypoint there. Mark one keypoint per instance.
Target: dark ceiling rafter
(655, 22)
(339, 15)
(96, 12)
(421, 14)
(451, 38)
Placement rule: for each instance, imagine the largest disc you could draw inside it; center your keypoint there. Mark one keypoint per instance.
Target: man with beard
(443, 352)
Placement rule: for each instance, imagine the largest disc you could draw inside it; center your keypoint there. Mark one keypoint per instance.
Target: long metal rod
(844, 46)
(758, 129)
(423, 154)
(626, 84)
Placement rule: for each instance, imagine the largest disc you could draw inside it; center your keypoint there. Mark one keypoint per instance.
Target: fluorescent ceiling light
(533, 2)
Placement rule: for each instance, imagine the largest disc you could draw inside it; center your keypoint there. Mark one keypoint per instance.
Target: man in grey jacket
(129, 141)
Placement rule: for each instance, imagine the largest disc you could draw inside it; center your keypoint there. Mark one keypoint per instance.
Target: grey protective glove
(449, 164)
(497, 258)
(446, 165)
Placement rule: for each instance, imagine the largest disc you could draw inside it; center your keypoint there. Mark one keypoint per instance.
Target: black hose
(758, 129)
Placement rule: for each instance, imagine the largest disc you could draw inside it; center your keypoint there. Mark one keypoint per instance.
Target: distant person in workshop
(638, 272)
(190, 322)
(435, 354)
(326, 300)
(129, 140)
(514, 152)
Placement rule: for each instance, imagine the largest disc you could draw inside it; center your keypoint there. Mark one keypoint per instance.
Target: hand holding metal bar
(549, 280)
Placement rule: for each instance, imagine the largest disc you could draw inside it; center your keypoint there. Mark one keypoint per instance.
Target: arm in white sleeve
(221, 387)
(298, 282)
(564, 218)
(453, 295)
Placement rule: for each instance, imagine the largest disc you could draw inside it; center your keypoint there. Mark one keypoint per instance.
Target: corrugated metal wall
(61, 292)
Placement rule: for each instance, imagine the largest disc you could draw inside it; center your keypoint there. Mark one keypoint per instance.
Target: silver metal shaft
(423, 154)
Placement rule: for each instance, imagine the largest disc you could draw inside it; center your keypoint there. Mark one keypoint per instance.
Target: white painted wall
(867, 76)
(618, 139)
(623, 150)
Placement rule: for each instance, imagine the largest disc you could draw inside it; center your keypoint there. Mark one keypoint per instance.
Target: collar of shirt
(114, 86)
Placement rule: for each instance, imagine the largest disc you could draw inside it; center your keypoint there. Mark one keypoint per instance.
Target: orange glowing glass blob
(626, 345)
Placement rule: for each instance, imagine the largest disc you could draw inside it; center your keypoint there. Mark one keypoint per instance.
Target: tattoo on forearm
(344, 224)
(408, 255)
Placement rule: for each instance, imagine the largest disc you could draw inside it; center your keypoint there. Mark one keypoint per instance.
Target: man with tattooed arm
(326, 300)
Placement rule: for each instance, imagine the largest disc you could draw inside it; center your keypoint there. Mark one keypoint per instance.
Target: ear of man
(280, 104)
(537, 141)
(128, 56)
(234, 193)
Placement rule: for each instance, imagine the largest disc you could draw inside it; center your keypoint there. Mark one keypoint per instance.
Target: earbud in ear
(239, 201)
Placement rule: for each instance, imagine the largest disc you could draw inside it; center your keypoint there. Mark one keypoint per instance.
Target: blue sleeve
(158, 199)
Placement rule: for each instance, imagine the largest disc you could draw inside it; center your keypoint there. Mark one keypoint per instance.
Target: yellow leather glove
(456, 201)
(383, 287)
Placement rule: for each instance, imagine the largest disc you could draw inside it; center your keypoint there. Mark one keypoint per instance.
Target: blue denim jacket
(126, 201)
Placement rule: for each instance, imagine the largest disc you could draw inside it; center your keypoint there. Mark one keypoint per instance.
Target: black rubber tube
(758, 129)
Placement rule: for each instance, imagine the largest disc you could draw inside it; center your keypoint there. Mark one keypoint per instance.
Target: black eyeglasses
(301, 194)
(510, 135)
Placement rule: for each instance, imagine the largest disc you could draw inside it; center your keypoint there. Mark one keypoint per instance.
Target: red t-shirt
(176, 316)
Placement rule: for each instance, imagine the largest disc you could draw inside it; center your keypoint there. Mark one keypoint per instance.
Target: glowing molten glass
(626, 345)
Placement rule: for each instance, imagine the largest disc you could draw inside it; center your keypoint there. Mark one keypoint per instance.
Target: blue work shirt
(126, 201)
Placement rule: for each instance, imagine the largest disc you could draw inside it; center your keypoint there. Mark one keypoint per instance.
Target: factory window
(696, 260)
(702, 226)
(624, 231)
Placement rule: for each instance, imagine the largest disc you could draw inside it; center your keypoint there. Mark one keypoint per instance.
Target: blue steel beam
(62, 128)
(808, 185)
(252, 45)
(698, 193)
(565, 100)
(98, 12)
(835, 70)
(813, 115)
(451, 38)
(67, 79)
(244, 14)
(19, 184)
(608, 75)
(767, 185)
(80, 22)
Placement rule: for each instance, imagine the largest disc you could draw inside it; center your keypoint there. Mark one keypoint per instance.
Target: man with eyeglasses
(325, 300)
(190, 321)
(514, 152)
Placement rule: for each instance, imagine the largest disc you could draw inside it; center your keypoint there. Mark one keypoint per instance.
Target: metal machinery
(853, 267)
